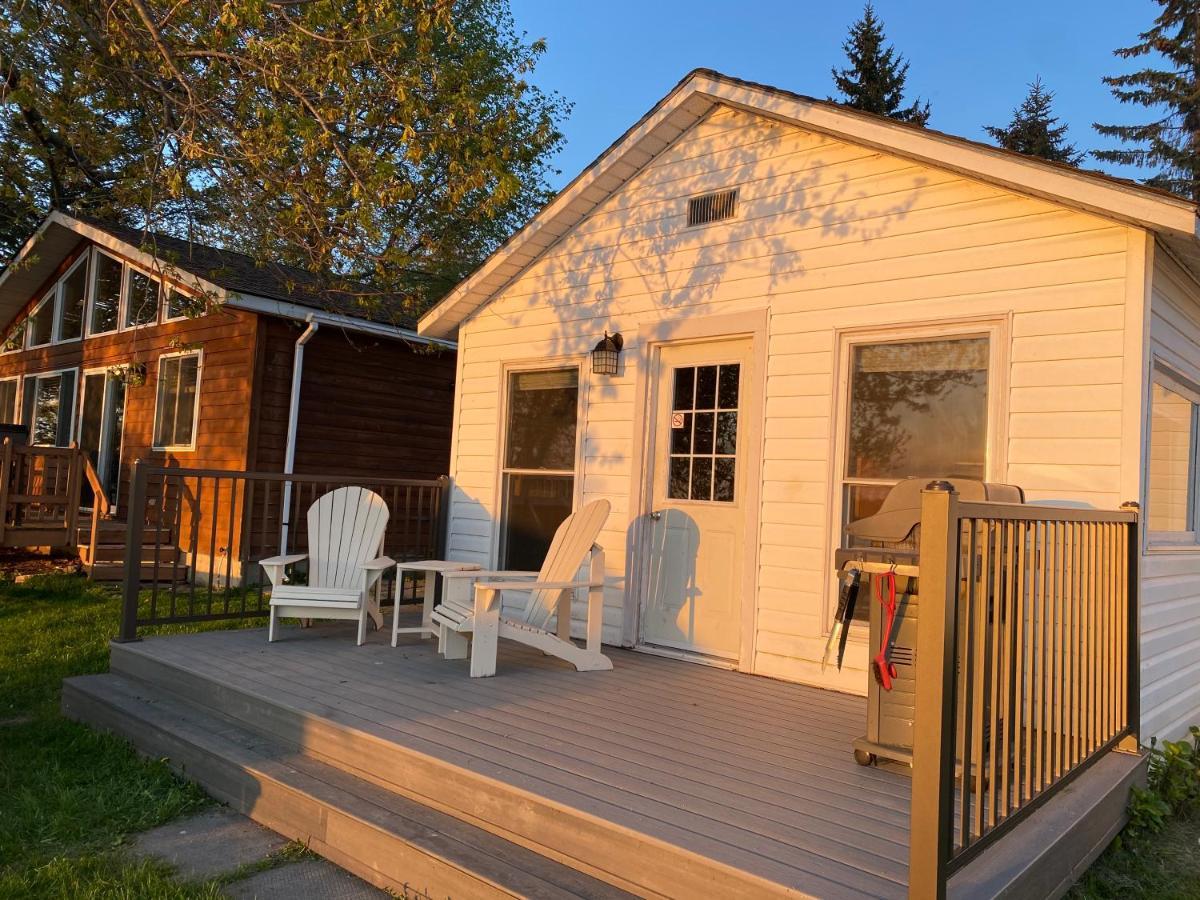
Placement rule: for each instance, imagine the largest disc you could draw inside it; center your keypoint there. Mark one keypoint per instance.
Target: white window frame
(539, 365)
(52, 299)
(17, 401)
(34, 377)
(165, 288)
(58, 302)
(1174, 381)
(22, 324)
(91, 295)
(995, 455)
(178, 448)
(123, 315)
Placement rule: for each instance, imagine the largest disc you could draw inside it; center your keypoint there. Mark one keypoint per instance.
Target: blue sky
(972, 60)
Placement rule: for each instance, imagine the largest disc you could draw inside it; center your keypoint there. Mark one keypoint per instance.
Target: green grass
(1164, 866)
(70, 794)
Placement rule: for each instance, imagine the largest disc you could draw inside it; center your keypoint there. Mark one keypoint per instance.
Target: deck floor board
(642, 746)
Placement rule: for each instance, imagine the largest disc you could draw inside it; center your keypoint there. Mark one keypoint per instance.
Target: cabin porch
(659, 778)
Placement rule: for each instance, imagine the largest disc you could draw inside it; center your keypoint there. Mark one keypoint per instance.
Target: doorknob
(655, 516)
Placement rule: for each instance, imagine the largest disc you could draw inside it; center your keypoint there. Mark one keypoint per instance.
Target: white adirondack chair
(550, 592)
(345, 542)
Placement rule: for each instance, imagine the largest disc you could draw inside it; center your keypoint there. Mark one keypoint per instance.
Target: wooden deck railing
(195, 536)
(39, 494)
(1027, 661)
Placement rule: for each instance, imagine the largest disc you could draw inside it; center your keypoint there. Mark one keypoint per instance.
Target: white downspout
(289, 456)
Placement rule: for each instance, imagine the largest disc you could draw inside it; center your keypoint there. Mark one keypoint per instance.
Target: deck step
(379, 835)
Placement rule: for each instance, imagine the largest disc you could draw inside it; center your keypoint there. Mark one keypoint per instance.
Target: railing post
(1133, 637)
(134, 532)
(443, 524)
(933, 730)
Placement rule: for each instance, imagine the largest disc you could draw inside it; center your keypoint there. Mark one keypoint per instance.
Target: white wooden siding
(828, 236)
(1171, 579)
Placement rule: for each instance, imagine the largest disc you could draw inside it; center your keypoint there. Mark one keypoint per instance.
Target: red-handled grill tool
(884, 668)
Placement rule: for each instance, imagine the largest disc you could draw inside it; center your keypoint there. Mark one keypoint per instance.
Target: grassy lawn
(1166, 866)
(70, 795)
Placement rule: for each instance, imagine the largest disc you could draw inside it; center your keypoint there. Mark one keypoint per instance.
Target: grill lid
(900, 512)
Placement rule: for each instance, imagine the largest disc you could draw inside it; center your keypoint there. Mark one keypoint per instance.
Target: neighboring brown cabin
(198, 374)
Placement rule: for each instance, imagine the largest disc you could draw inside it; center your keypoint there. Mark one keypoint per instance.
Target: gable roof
(230, 277)
(1174, 218)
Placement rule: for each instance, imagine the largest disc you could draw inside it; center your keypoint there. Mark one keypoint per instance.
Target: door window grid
(703, 433)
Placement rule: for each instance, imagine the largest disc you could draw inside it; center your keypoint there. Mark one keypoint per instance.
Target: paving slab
(210, 844)
(311, 879)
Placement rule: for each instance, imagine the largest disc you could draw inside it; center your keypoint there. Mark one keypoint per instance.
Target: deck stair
(105, 560)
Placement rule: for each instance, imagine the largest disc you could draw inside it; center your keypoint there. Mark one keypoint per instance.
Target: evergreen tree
(1170, 143)
(874, 80)
(1035, 131)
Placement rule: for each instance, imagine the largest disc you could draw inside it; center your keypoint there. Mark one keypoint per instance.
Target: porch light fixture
(606, 355)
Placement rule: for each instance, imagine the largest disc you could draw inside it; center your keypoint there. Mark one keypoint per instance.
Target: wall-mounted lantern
(606, 355)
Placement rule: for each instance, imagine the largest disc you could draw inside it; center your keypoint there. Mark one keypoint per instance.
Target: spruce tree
(1035, 131)
(874, 80)
(1171, 142)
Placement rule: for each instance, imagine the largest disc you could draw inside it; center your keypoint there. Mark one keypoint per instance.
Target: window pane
(8, 401)
(679, 477)
(141, 302)
(167, 403)
(727, 433)
(74, 290)
(706, 387)
(45, 410)
(16, 337)
(729, 384)
(701, 478)
(180, 304)
(41, 323)
(685, 388)
(681, 432)
(185, 414)
(542, 408)
(919, 408)
(107, 294)
(1171, 456)
(723, 478)
(534, 507)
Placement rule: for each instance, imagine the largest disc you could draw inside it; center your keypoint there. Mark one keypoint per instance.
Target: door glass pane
(703, 441)
(91, 415)
(114, 416)
(1171, 460)
(534, 507)
(74, 292)
(8, 401)
(542, 411)
(919, 409)
(41, 323)
(141, 305)
(45, 410)
(106, 297)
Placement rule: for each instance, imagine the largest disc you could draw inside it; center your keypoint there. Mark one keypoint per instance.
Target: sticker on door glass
(704, 424)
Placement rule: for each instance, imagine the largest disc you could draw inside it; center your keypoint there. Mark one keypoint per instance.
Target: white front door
(695, 551)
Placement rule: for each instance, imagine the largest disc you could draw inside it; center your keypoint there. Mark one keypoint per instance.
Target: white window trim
(126, 276)
(34, 376)
(91, 295)
(51, 298)
(58, 302)
(537, 365)
(996, 330)
(178, 448)
(1168, 377)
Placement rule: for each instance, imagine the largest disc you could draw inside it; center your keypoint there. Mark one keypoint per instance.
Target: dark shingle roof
(243, 274)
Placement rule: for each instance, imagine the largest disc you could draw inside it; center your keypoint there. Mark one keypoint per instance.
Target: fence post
(5, 479)
(1133, 637)
(134, 533)
(933, 729)
(443, 524)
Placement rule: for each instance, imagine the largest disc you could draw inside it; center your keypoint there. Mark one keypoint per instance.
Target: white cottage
(815, 303)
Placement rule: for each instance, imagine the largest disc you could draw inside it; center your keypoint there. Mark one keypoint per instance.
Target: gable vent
(712, 207)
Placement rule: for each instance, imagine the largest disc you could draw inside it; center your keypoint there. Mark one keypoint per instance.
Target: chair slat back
(345, 530)
(572, 542)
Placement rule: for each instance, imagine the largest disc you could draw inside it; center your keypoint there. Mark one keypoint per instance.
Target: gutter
(286, 310)
(289, 457)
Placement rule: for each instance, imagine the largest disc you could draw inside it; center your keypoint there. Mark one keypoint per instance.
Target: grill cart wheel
(863, 758)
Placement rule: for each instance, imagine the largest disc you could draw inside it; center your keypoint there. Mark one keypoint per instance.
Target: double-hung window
(49, 407)
(177, 402)
(538, 471)
(1171, 508)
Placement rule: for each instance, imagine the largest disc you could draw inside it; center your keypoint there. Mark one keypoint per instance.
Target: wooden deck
(744, 772)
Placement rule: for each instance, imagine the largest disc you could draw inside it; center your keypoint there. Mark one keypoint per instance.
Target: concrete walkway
(254, 862)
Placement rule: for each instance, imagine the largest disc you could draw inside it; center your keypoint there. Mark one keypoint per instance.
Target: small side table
(432, 568)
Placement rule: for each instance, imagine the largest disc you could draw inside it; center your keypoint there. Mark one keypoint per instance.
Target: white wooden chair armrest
(384, 562)
(535, 585)
(283, 560)
(476, 574)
